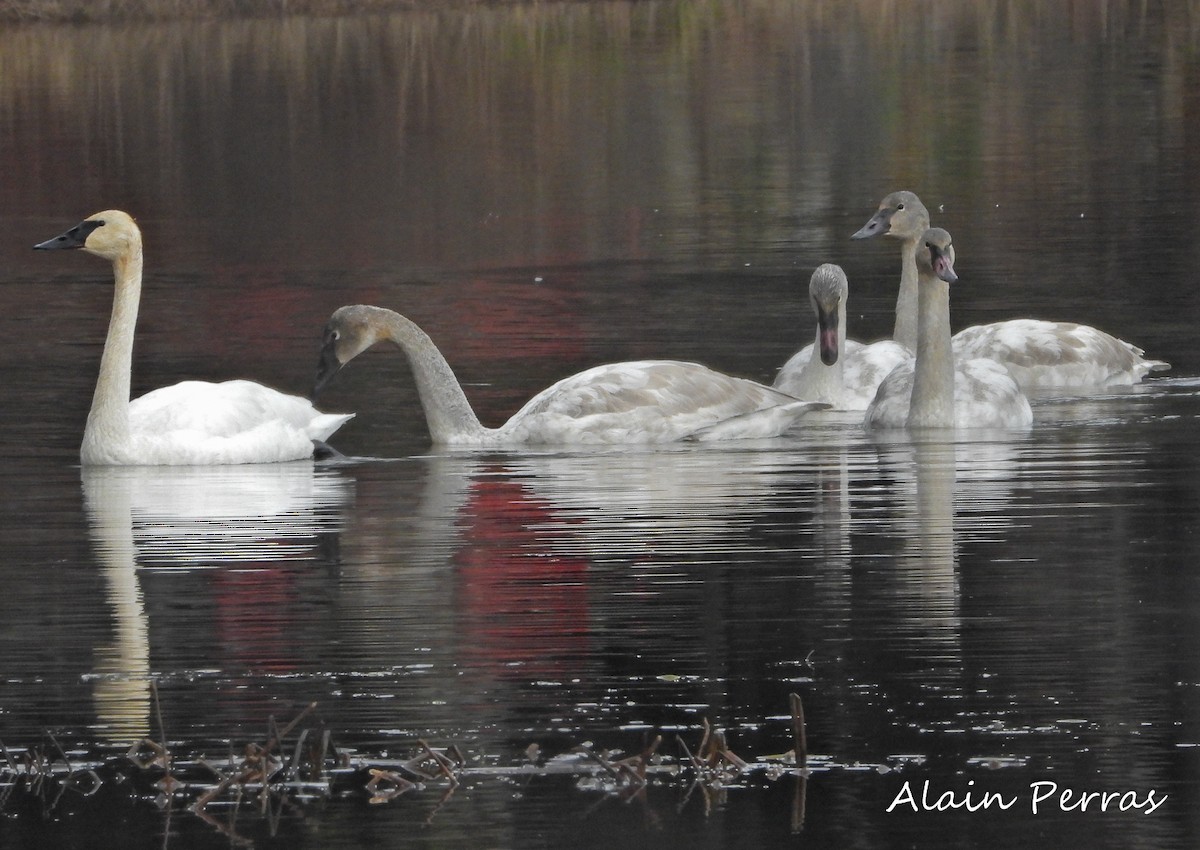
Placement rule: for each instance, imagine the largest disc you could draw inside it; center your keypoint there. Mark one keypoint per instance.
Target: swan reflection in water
(190, 518)
(555, 561)
(927, 582)
(512, 567)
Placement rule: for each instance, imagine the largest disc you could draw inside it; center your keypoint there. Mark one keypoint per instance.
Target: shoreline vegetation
(95, 11)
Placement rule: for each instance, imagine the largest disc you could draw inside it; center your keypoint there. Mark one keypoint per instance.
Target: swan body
(193, 422)
(1054, 355)
(842, 372)
(935, 389)
(1039, 354)
(648, 401)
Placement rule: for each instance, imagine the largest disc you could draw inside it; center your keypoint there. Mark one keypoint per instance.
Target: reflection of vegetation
(144, 10)
(447, 131)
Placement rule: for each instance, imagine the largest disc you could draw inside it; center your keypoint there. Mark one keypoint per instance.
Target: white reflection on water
(928, 564)
(189, 517)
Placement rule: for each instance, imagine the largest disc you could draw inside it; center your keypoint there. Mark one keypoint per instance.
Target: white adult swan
(650, 401)
(1040, 354)
(833, 369)
(936, 390)
(193, 422)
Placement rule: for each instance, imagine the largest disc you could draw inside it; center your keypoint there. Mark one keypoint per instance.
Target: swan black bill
(73, 238)
(327, 367)
(881, 222)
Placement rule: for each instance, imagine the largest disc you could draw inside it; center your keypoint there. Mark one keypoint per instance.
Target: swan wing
(1044, 354)
(197, 422)
(761, 424)
(648, 401)
(865, 369)
(987, 396)
(889, 407)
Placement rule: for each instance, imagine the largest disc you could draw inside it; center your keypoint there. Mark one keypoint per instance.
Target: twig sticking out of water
(288, 780)
(629, 771)
(713, 756)
(799, 734)
(258, 766)
(444, 765)
(34, 772)
(386, 785)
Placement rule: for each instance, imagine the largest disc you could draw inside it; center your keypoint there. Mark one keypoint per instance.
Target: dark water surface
(549, 187)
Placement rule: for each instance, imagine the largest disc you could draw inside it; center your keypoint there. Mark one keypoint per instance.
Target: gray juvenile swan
(651, 401)
(1038, 353)
(193, 422)
(833, 369)
(938, 390)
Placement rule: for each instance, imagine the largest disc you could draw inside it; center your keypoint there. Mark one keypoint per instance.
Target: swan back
(1053, 355)
(652, 401)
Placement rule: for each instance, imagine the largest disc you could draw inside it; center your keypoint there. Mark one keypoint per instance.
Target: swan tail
(323, 425)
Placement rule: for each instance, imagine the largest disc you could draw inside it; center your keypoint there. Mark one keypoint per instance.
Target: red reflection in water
(519, 602)
(256, 618)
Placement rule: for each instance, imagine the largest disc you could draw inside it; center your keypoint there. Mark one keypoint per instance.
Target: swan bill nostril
(76, 237)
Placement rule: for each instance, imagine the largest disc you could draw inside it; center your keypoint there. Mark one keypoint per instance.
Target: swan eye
(899, 207)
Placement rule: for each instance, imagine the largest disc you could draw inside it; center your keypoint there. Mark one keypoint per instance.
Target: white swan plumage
(648, 401)
(1039, 354)
(833, 369)
(936, 389)
(193, 422)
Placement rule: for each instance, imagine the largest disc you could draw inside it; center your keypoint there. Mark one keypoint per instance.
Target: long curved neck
(447, 411)
(905, 331)
(932, 404)
(108, 420)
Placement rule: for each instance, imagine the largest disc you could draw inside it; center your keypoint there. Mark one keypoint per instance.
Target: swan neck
(821, 382)
(447, 411)
(932, 402)
(108, 420)
(905, 331)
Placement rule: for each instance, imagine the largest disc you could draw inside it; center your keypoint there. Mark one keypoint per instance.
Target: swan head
(349, 332)
(827, 289)
(111, 234)
(900, 215)
(935, 255)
